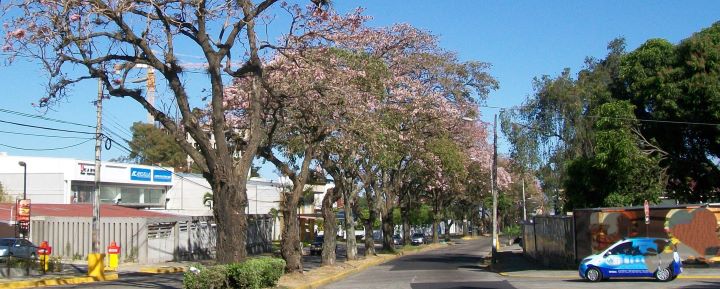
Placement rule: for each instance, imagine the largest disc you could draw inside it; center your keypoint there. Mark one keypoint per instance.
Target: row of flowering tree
(379, 110)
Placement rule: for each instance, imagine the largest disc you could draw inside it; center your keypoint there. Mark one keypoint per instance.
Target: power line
(41, 135)
(159, 167)
(46, 128)
(618, 118)
(116, 121)
(46, 149)
(43, 118)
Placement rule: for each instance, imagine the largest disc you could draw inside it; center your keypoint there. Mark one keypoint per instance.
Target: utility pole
(95, 262)
(523, 200)
(493, 188)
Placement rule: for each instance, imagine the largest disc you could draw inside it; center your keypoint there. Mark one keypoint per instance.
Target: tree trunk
(388, 229)
(369, 238)
(231, 221)
(435, 230)
(369, 222)
(290, 248)
(350, 241)
(448, 224)
(330, 228)
(465, 226)
(406, 224)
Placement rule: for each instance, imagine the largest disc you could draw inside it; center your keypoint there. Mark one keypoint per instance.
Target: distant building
(72, 181)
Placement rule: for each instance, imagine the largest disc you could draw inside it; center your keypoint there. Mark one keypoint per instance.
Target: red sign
(23, 211)
(647, 212)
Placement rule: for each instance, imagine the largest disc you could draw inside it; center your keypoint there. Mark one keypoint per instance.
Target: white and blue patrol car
(636, 257)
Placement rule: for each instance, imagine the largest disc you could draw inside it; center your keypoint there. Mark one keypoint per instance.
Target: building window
(127, 194)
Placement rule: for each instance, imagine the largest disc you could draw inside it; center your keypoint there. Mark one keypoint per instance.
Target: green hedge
(252, 274)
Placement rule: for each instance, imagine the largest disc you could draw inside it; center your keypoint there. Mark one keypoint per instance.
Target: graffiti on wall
(696, 231)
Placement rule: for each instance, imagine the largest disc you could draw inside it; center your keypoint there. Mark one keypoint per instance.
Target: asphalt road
(453, 267)
(457, 267)
(136, 280)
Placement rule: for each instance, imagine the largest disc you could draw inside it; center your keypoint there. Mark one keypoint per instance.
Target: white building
(186, 197)
(70, 181)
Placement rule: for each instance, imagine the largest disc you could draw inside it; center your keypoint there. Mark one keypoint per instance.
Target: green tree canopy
(154, 146)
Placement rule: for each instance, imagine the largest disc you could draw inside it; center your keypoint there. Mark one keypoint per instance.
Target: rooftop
(81, 210)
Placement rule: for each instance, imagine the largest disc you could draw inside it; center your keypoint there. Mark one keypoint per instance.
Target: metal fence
(551, 241)
(146, 240)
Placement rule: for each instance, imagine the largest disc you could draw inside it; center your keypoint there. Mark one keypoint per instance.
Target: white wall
(45, 178)
(186, 196)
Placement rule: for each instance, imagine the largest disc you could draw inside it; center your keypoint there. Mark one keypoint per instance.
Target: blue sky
(521, 39)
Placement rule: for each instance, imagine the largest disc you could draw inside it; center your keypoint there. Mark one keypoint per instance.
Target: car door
(613, 264)
(28, 248)
(16, 249)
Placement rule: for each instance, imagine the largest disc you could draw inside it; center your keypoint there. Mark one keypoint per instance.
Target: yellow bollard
(96, 268)
(44, 252)
(113, 262)
(113, 256)
(44, 261)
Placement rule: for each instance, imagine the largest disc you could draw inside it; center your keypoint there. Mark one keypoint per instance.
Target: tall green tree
(151, 145)
(618, 172)
(679, 85)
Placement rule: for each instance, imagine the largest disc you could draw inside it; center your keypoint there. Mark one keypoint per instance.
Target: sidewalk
(512, 263)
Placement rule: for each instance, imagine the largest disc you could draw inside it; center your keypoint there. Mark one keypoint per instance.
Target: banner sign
(139, 174)
(164, 176)
(23, 211)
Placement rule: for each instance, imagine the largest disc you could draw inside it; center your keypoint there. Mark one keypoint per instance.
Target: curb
(162, 270)
(504, 274)
(698, 277)
(382, 259)
(57, 281)
(535, 276)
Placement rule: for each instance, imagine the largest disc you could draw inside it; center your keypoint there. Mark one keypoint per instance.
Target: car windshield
(319, 239)
(417, 235)
(6, 242)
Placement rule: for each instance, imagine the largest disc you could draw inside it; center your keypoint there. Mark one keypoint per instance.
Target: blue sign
(164, 176)
(138, 174)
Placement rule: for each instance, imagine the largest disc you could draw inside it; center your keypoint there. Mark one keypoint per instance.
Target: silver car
(417, 239)
(17, 247)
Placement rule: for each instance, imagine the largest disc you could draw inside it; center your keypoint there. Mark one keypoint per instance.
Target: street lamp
(24, 165)
(493, 190)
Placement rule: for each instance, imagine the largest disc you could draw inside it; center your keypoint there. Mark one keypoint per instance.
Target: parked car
(417, 239)
(17, 247)
(317, 245)
(636, 257)
(397, 240)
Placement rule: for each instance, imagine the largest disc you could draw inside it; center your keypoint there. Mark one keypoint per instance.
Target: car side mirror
(606, 255)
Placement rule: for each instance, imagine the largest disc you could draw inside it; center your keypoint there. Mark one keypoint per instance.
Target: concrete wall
(693, 228)
(145, 240)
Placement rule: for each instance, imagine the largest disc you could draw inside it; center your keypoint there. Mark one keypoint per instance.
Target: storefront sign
(87, 169)
(138, 174)
(23, 211)
(164, 176)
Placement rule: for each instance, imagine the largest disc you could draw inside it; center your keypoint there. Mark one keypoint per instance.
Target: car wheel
(593, 275)
(663, 274)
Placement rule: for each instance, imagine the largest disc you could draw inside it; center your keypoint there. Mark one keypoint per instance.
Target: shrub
(256, 273)
(513, 230)
(213, 277)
